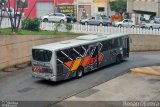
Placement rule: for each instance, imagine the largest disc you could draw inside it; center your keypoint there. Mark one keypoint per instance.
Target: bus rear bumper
(43, 76)
(48, 77)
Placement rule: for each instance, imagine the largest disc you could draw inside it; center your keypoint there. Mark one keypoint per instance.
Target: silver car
(100, 21)
(54, 17)
(125, 23)
(153, 24)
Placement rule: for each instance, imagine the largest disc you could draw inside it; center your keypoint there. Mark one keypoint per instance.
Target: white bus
(72, 58)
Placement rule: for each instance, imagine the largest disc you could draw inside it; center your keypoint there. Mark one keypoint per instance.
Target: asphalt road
(20, 86)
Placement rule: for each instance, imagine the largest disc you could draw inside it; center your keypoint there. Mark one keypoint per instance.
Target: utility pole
(54, 5)
(108, 8)
(77, 4)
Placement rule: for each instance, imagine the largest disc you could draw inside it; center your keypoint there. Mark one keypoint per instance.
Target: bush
(68, 26)
(31, 24)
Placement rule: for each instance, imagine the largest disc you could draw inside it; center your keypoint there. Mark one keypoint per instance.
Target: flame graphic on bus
(85, 60)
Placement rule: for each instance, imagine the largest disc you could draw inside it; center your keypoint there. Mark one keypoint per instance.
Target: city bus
(73, 58)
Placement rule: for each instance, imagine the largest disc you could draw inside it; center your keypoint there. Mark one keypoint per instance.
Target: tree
(118, 6)
(15, 13)
(1, 11)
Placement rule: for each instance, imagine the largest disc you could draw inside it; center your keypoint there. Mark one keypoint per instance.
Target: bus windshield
(41, 55)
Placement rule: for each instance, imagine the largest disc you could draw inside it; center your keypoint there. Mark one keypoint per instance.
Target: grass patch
(8, 31)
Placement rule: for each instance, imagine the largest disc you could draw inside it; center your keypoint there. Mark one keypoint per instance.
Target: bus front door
(126, 47)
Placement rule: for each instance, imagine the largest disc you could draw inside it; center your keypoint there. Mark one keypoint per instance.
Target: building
(92, 7)
(37, 8)
(83, 5)
(101, 7)
(147, 7)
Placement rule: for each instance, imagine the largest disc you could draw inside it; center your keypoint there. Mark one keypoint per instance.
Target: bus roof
(81, 40)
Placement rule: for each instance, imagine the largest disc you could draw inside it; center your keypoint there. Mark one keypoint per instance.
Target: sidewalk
(128, 87)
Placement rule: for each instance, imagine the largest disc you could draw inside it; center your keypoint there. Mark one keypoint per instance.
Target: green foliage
(118, 5)
(31, 24)
(69, 26)
(2, 1)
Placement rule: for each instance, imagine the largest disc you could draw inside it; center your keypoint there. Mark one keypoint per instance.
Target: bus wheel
(79, 72)
(118, 59)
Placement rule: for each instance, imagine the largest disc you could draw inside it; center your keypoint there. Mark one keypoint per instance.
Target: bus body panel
(91, 56)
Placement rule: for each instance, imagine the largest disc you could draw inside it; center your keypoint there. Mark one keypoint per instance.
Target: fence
(5, 23)
(91, 29)
(101, 29)
(110, 29)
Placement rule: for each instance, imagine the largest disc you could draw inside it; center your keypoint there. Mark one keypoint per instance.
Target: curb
(151, 70)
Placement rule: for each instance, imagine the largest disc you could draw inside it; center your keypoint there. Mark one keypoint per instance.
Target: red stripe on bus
(100, 57)
(85, 61)
(68, 64)
(92, 60)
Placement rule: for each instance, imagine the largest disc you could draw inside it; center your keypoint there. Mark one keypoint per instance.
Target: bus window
(115, 43)
(105, 46)
(86, 50)
(62, 56)
(120, 41)
(73, 54)
(80, 50)
(90, 51)
(95, 52)
(86, 47)
(41, 55)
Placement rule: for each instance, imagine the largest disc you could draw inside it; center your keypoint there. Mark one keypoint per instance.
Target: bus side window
(95, 52)
(120, 41)
(90, 51)
(115, 43)
(110, 45)
(62, 57)
(105, 46)
(80, 51)
(86, 50)
(73, 54)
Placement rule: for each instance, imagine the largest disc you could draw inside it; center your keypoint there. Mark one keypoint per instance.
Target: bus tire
(118, 59)
(79, 72)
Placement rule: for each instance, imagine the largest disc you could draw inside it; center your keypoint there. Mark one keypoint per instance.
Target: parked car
(95, 21)
(157, 18)
(54, 17)
(143, 23)
(152, 24)
(125, 23)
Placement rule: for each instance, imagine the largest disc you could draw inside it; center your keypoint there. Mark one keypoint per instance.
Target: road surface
(20, 86)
